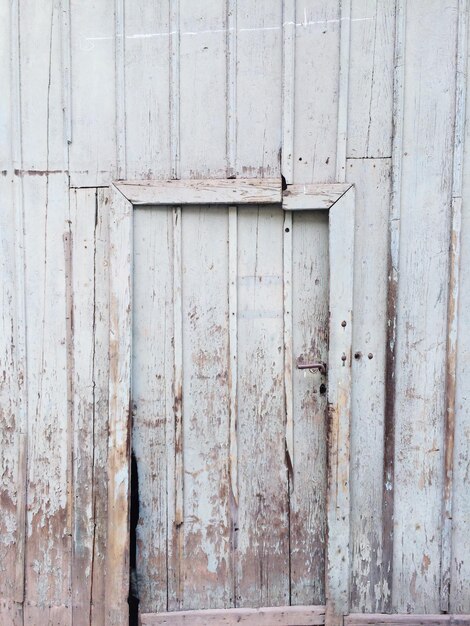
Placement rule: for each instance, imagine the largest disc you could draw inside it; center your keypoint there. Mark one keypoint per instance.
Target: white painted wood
(288, 88)
(426, 187)
(284, 616)
(310, 317)
(373, 188)
(202, 84)
(308, 197)
(120, 342)
(343, 89)
(288, 341)
(206, 568)
(147, 89)
(316, 90)
(263, 546)
(231, 86)
(412, 620)
(341, 255)
(48, 499)
(371, 79)
(216, 191)
(259, 85)
(175, 88)
(93, 156)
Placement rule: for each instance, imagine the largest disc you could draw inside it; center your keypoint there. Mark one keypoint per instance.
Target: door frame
(339, 200)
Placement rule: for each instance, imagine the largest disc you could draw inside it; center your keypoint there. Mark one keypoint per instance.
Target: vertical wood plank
(233, 389)
(341, 254)
(371, 79)
(13, 407)
(206, 566)
(310, 312)
(93, 156)
(288, 89)
(288, 339)
(48, 548)
(316, 90)
(426, 187)
(81, 283)
(372, 184)
(175, 89)
(231, 86)
(152, 397)
(263, 545)
(147, 89)
(43, 138)
(343, 89)
(259, 80)
(202, 72)
(101, 403)
(120, 342)
(453, 306)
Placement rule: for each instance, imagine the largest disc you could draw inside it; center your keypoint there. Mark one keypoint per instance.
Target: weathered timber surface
(282, 616)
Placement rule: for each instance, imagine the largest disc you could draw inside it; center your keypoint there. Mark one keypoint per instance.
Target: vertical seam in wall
(174, 49)
(288, 89)
(343, 89)
(386, 595)
(120, 86)
(453, 304)
(20, 278)
(231, 87)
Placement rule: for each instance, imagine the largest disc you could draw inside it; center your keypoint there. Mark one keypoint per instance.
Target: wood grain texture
(308, 197)
(316, 91)
(259, 67)
(263, 546)
(190, 192)
(341, 255)
(206, 566)
(426, 186)
(120, 341)
(310, 313)
(284, 616)
(372, 184)
(412, 620)
(93, 152)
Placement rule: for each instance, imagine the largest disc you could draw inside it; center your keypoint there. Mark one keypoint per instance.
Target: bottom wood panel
(409, 620)
(281, 616)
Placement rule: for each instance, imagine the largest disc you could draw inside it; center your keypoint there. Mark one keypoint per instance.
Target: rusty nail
(343, 323)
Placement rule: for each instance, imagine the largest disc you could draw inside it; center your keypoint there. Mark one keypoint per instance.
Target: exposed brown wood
(282, 616)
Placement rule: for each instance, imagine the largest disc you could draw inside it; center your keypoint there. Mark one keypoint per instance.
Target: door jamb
(338, 199)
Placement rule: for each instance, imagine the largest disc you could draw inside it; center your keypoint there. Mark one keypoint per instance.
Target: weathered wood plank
(206, 567)
(13, 409)
(308, 197)
(43, 142)
(341, 255)
(120, 342)
(49, 500)
(190, 192)
(80, 275)
(371, 79)
(316, 90)
(202, 71)
(147, 76)
(310, 315)
(372, 184)
(101, 402)
(152, 397)
(411, 620)
(263, 544)
(426, 186)
(93, 151)
(259, 71)
(284, 616)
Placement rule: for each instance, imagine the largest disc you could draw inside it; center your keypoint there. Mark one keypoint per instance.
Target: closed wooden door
(230, 436)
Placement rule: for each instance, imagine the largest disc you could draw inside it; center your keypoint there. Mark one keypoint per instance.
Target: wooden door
(227, 517)
(230, 428)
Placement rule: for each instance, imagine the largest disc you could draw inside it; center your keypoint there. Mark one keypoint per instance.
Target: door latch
(318, 365)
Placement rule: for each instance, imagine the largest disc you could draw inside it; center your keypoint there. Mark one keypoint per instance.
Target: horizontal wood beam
(234, 191)
(275, 616)
(361, 619)
(312, 197)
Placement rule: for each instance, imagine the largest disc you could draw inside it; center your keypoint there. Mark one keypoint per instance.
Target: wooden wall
(371, 91)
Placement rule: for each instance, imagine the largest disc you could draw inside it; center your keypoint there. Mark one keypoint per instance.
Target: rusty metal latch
(320, 366)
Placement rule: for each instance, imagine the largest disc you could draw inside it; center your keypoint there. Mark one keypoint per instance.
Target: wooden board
(411, 620)
(218, 191)
(308, 197)
(284, 616)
